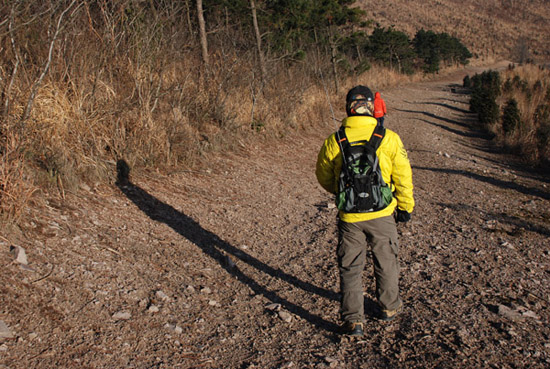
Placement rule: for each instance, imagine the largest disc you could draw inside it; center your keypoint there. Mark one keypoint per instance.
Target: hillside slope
(490, 29)
(234, 266)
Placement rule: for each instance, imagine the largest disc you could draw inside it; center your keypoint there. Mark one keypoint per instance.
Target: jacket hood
(377, 95)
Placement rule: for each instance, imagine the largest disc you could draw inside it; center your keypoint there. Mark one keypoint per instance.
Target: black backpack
(361, 188)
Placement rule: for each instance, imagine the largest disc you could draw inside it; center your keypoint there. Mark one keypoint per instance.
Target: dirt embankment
(233, 266)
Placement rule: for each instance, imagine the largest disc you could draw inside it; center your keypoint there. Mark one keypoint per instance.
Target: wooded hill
(499, 29)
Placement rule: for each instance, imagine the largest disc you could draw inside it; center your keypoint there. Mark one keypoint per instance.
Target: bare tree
(258, 40)
(38, 82)
(6, 93)
(188, 13)
(202, 30)
(333, 59)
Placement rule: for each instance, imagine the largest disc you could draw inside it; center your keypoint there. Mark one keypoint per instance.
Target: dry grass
(15, 187)
(530, 87)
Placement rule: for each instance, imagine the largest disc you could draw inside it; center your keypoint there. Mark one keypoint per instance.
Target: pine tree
(510, 116)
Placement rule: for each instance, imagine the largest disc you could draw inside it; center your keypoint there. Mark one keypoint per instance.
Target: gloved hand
(402, 216)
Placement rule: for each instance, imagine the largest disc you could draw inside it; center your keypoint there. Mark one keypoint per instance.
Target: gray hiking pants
(353, 238)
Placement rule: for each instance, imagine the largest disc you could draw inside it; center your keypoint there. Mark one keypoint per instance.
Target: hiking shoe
(353, 329)
(389, 315)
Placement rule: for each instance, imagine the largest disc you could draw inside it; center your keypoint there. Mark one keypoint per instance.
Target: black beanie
(358, 93)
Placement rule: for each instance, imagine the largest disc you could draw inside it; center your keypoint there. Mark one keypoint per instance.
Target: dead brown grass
(15, 187)
(118, 89)
(529, 85)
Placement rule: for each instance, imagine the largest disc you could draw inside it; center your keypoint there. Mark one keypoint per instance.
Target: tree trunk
(188, 18)
(258, 40)
(202, 30)
(359, 54)
(398, 63)
(333, 61)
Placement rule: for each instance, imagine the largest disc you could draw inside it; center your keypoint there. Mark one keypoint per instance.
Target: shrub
(507, 86)
(520, 84)
(434, 48)
(489, 110)
(467, 82)
(543, 141)
(490, 80)
(486, 89)
(542, 114)
(362, 67)
(542, 120)
(510, 116)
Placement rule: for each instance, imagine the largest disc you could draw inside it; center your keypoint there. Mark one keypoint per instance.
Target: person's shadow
(219, 250)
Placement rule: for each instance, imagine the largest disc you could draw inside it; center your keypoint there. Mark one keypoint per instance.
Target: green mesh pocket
(386, 195)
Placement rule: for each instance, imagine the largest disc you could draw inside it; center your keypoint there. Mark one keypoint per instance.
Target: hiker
(377, 228)
(379, 108)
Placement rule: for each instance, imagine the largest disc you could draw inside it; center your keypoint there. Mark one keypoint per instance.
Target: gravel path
(234, 266)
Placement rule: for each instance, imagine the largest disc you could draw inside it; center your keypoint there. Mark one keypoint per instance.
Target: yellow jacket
(394, 164)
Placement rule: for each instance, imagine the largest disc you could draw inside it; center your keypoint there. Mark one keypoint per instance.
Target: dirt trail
(234, 266)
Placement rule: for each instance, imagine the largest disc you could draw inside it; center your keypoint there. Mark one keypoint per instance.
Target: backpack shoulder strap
(344, 145)
(342, 139)
(377, 136)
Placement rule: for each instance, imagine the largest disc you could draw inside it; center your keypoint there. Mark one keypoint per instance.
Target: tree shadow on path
(434, 116)
(493, 181)
(218, 249)
(515, 221)
(450, 107)
(455, 131)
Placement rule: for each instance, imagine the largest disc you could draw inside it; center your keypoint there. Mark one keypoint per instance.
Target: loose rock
(122, 315)
(5, 331)
(285, 316)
